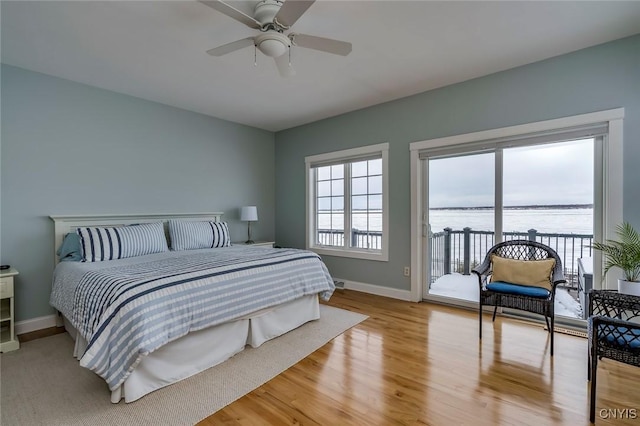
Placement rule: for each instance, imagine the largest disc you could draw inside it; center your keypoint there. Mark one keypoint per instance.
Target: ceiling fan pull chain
(255, 55)
(289, 55)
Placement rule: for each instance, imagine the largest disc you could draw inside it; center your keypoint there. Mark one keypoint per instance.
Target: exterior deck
(461, 250)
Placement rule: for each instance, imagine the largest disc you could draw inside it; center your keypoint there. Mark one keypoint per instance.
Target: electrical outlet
(407, 271)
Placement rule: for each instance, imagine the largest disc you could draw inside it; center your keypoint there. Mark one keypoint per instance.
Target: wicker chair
(513, 295)
(612, 334)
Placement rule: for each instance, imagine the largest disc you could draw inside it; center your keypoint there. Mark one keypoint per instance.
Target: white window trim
(310, 225)
(612, 180)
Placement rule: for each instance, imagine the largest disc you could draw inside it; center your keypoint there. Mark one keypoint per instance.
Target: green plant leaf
(624, 253)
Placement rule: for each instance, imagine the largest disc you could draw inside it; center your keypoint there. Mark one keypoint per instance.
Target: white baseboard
(376, 289)
(35, 324)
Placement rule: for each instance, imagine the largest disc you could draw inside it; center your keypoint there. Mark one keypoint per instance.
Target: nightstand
(266, 244)
(8, 339)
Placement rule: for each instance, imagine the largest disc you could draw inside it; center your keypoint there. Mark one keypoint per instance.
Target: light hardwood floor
(421, 363)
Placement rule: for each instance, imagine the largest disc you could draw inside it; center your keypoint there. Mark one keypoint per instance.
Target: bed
(145, 319)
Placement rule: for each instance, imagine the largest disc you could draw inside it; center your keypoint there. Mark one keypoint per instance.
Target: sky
(561, 173)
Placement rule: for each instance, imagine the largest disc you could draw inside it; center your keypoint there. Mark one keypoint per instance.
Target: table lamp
(249, 214)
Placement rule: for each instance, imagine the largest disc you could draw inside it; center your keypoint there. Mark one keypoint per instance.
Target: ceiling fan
(272, 18)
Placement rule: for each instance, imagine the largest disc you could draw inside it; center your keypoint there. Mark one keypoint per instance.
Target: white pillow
(100, 244)
(188, 235)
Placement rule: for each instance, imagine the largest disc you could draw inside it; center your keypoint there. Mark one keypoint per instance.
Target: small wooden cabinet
(8, 339)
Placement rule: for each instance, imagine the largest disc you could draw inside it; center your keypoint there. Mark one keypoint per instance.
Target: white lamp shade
(249, 213)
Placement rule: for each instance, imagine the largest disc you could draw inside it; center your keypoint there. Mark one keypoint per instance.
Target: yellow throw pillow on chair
(535, 273)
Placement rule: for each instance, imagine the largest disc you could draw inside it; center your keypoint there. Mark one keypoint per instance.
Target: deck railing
(461, 250)
(359, 239)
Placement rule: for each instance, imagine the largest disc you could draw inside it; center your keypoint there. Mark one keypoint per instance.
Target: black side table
(614, 333)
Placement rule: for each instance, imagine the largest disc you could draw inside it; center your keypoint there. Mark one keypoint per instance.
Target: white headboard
(63, 224)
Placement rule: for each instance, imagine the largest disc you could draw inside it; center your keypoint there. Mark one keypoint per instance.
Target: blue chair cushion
(618, 335)
(524, 290)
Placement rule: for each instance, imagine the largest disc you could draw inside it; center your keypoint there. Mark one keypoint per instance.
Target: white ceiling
(156, 50)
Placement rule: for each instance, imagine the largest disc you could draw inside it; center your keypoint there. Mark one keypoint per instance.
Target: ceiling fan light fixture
(272, 18)
(272, 44)
(272, 48)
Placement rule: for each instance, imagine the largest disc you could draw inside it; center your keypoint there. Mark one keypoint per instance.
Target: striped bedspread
(126, 309)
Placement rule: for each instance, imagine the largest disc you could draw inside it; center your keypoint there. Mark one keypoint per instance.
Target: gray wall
(594, 79)
(69, 148)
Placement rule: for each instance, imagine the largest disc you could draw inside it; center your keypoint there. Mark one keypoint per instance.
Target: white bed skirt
(203, 349)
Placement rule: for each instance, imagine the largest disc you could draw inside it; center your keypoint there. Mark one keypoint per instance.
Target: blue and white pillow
(187, 235)
(100, 244)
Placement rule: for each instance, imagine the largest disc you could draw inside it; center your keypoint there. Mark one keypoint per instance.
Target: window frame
(344, 157)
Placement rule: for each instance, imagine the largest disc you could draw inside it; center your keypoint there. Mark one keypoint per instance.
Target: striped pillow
(99, 244)
(187, 235)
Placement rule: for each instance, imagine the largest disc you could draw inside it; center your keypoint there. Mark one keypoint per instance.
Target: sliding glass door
(461, 222)
(548, 197)
(476, 198)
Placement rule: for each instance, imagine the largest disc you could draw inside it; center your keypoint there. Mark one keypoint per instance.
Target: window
(540, 192)
(604, 129)
(347, 203)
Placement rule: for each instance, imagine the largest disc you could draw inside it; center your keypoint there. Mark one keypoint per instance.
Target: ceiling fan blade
(284, 67)
(328, 45)
(230, 47)
(234, 13)
(291, 11)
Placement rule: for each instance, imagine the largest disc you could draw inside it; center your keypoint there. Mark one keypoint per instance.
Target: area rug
(42, 384)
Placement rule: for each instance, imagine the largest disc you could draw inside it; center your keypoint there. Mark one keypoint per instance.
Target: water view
(565, 220)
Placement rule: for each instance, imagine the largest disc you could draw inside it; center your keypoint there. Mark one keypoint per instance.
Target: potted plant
(623, 254)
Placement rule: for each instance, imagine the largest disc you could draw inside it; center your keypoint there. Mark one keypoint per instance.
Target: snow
(466, 287)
